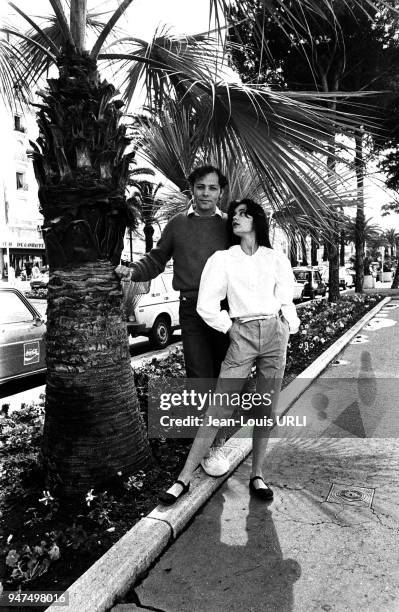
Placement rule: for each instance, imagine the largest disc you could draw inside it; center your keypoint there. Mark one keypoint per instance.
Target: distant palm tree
(146, 200)
(392, 238)
(93, 430)
(372, 231)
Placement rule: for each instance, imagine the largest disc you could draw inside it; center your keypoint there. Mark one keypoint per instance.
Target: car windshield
(13, 310)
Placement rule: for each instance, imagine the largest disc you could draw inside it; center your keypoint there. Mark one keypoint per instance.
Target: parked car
(22, 346)
(311, 280)
(298, 291)
(152, 309)
(41, 281)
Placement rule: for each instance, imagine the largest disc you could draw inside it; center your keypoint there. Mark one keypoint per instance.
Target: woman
(258, 283)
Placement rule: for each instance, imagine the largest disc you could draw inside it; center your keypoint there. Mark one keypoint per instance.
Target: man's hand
(123, 272)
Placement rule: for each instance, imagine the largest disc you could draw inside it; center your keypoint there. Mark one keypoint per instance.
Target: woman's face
(243, 224)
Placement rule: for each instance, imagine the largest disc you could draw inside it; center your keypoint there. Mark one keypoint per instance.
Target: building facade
(21, 242)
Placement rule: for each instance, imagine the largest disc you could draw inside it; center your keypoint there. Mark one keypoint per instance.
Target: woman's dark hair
(202, 171)
(261, 225)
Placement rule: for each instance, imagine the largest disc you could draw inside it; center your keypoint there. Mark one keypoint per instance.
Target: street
(140, 350)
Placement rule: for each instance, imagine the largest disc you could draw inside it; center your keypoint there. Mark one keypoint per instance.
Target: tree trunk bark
(333, 242)
(148, 233)
(360, 220)
(333, 238)
(293, 252)
(313, 252)
(342, 248)
(78, 23)
(93, 430)
(333, 269)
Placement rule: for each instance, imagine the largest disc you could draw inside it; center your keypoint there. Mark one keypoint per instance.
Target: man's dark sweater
(190, 240)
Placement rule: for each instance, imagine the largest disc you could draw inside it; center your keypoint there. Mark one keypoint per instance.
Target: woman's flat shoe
(261, 492)
(168, 498)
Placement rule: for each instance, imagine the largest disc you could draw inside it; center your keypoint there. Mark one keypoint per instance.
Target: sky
(189, 17)
(142, 16)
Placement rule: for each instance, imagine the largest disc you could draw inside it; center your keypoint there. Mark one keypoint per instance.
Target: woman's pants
(264, 342)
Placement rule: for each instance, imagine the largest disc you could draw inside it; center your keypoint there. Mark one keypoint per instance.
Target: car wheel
(161, 333)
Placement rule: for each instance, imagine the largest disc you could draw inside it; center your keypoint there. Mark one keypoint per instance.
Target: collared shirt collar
(192, 211)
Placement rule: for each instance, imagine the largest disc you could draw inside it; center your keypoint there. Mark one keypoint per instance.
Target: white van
(152, 308)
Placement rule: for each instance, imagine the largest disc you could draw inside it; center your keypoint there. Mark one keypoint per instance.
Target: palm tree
(392, 238)
(93, 430)
(171, 142)
(146, 201)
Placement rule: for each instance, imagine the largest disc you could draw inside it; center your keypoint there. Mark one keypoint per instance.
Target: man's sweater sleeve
(154, 262)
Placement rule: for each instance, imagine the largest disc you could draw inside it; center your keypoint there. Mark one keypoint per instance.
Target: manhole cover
(351, 495)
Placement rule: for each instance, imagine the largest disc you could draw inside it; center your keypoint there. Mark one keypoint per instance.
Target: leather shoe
(262, 493)
(168, 498)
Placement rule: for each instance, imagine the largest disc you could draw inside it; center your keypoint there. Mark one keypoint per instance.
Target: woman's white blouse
(262, 283)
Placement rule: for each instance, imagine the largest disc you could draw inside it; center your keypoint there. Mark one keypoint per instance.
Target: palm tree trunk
(148, 234)
(304, 255)
(293, 252)
(333, 243)
(93, 429)
(342, 248)
(333, 238)
(313, 252)
(360, 221)
(78, 22)
(395, 282)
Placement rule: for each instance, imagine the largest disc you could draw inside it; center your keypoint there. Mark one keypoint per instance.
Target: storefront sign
(11, 244)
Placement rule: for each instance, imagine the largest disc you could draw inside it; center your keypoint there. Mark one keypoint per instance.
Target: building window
(18, 124)
(20, 180)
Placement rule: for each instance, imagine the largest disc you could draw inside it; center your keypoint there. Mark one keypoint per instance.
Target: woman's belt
(256, 318)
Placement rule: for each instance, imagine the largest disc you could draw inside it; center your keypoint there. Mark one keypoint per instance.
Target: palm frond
(44, 39)
(168, 65)
(27, 58)
(108, 28)
(13, 87)
(279, 135)
(62, 22)
(169, 144)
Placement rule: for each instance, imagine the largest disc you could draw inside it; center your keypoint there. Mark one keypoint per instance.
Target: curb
(118, 569)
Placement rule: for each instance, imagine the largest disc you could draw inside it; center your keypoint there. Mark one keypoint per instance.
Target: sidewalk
(328, 541)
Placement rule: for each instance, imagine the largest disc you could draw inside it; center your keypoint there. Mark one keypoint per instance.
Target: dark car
(22, 347)
(312, 281)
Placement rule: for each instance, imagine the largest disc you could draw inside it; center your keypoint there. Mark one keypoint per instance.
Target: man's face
(206, 194)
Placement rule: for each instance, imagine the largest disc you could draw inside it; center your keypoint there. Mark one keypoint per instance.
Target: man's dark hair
(261, 225)
(201, 171)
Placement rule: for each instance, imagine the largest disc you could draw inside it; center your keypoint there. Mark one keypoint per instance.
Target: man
(191, 238)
